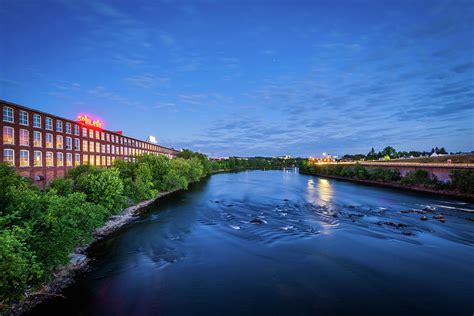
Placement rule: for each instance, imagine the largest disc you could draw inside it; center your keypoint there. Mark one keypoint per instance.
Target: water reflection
(324, 190)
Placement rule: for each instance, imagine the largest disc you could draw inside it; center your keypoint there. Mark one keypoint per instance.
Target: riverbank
(79, 261)
(412, 188)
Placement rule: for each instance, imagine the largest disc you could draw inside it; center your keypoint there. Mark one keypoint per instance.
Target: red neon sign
(84, 119)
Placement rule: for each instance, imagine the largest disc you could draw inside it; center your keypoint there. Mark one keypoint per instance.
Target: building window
(97, 160)
(36, 120)
(84, 132)
(91, 133)
(49, 140)
(68, 143)
(23, 118)
(102, 148)
(84, 145)
(68, 127)
(108, 137)
(91, 147)
(69, 159)
(113, 138)
(48, 122)
(77, 160)
(76, 144)
(97, 147)
(59, 142)
(37, 139)
(108, 160)
(102, 136)
(76, 130)
(24, 158)
(9, 156)
(92, 160)
(113, 149)
(38, 158)
(108, 149)
(59, 126)
(103, 161)
(85, 159)
(59, 159)
(8, 135)
(8, 114)
(24, 137)
(97, 135)
(49, 159)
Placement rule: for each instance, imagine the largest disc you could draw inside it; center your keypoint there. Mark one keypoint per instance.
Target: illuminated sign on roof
(84, 119)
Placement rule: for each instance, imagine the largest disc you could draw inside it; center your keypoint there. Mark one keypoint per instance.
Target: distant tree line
(462, 180)
(391, 153)
(240, 163)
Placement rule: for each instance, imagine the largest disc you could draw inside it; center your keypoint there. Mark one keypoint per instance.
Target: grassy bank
(461, 184)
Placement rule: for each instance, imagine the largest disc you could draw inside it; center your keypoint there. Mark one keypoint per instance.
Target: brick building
(43, 146)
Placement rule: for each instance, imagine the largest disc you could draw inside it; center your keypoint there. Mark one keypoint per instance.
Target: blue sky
(250, 77)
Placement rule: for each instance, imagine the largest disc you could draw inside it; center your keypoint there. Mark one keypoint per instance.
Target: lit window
(103, 161)
(91, 133)
(113, 138)
(49, 140)
(102, 136)
(97, 135)
(38, 158)
(84, 145)
(76, 130)
(84, 132)
(108, 149)
(102, 148)
(113, 149)
(7, 114)
(69, 159)
(9, 156)
(68, 127)
(8, 135)
(97, 147)
(92, 160)
(77, 160)
(36, 120)
(59, 126)
(91, 147)
(24, 158)
(68, 143)
(59, 159)
(48, 122)
(23, 118)
(108, 137)
(24, 137)
(49, 159)
(85, 159)
(108, 160)
(37, 139)
(59, 142)
(97, 160)
(76, 144)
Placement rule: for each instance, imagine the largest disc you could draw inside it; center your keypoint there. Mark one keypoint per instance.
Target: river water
(281, 243)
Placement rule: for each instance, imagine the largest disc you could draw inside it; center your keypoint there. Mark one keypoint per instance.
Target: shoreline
(79, 260)
(419, 189)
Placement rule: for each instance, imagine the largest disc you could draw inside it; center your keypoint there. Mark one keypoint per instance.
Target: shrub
(463, 180)
(418, 177)
(62, 186)
(102, 186)
(18, 267)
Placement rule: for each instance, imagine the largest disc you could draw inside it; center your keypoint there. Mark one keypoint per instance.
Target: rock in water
(424, 218)
(256, 220)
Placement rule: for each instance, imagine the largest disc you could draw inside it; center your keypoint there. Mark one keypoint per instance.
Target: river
(281, 243)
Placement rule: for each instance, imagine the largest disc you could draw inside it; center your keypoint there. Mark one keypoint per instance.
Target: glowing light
(84, 119)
